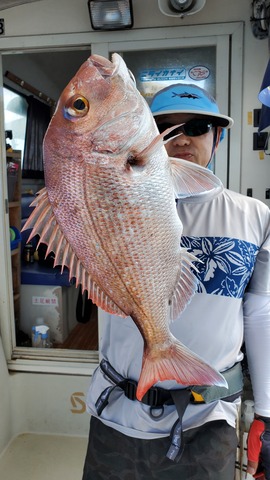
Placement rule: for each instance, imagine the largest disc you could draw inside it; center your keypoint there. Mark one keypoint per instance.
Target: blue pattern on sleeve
(227, 264)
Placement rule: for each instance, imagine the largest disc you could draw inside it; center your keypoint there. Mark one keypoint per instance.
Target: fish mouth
(105, 67)
(108, 68)
(133, 116)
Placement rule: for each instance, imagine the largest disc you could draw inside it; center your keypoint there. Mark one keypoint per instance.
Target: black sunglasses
(193, 128)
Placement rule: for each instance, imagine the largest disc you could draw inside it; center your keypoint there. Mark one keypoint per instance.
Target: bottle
(28, 253)
(40, 321)
(45, 340)
(40, 334)
(248, 414)
(36, 337)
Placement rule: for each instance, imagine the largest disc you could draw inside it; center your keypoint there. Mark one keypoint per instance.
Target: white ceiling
(4, 4)
(48, 72)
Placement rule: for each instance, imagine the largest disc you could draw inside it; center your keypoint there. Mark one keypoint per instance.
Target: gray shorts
(209, 454)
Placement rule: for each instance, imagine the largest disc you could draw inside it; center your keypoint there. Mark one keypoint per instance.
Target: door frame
(228, 38)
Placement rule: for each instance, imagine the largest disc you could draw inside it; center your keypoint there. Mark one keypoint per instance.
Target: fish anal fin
(186, 285)
(83, 278)
(100, 298)
(178, 363)
(191, 179)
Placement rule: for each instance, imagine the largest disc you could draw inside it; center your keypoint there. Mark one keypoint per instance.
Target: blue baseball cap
(188, 98)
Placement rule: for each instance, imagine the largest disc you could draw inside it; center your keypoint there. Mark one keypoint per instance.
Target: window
(41, 296)
(15, 113)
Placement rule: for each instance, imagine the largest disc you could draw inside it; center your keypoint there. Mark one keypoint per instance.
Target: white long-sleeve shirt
(230, 234)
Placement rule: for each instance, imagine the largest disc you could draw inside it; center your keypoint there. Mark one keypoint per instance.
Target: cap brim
(218, 119)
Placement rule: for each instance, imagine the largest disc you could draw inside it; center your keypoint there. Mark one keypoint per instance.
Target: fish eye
(77, 106)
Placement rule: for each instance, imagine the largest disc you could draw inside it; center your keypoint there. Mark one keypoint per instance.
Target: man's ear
(219, 131)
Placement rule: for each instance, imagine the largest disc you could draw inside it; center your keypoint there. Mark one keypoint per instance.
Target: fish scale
(108, 212)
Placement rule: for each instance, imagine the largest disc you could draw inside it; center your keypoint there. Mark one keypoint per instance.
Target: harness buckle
(152, 397)
(130, 388)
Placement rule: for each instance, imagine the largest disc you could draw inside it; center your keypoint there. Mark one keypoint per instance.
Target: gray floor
(43, 457)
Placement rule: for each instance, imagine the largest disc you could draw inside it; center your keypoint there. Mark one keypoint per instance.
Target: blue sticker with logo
(162, 74)
(227, 264)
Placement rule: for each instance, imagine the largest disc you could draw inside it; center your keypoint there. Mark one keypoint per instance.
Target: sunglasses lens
(193, 128)
(196, 127)
(163, 126)
(176, 131)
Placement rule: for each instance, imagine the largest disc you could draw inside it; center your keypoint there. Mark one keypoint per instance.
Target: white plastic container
(55, 304)
(40, 336)
(248, 414)
(246, 420)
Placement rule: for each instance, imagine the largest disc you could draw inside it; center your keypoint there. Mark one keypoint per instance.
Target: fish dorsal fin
(191, 179)
(186, 286)
(43, 223)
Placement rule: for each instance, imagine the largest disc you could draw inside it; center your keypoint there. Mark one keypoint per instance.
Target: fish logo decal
(185, 95)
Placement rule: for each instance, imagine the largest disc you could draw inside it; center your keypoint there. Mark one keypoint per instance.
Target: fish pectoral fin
(178, 363)
(191, 179)
(42, 221)
(186, 285)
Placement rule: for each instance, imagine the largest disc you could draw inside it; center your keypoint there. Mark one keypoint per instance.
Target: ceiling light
(110, 14)
(180, 8)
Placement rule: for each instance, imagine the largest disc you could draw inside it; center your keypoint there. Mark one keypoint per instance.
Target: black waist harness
(157, 398)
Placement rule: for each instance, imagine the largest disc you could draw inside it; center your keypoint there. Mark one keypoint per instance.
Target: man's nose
(181, 139)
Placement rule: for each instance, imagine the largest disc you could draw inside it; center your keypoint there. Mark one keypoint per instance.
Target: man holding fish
(229, 234)
(180, 264)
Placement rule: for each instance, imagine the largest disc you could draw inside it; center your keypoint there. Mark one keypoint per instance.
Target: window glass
(49, 311)
(157, 69)
(15, 112)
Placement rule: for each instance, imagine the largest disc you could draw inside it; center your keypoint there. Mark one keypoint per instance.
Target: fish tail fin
(178, 363)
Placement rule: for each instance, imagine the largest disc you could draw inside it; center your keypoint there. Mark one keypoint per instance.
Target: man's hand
(258, 448)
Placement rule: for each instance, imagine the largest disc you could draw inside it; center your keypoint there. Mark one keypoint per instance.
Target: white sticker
(45, 301)
(199, 72)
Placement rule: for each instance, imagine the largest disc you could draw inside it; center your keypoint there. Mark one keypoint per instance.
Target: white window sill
(66, 362)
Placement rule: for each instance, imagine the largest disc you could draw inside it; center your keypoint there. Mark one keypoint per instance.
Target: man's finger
(252, 467)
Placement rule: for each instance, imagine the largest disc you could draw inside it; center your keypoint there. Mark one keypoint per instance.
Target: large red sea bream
(108, 212)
